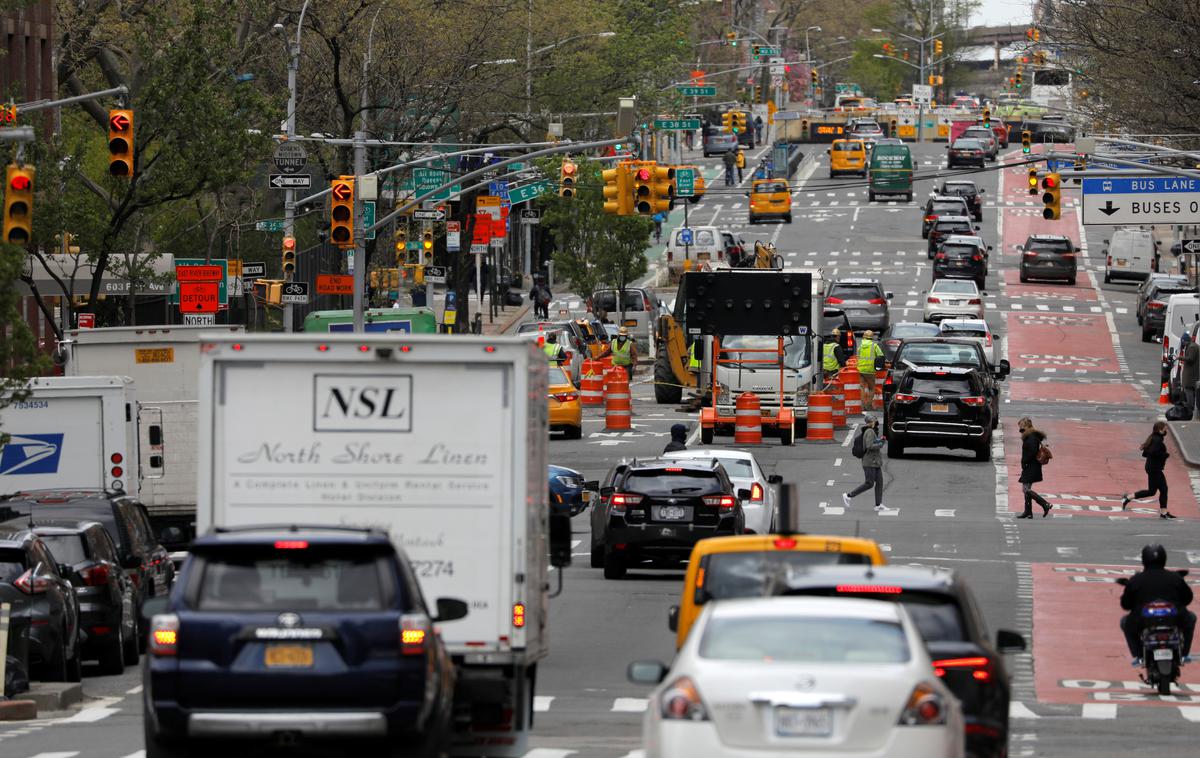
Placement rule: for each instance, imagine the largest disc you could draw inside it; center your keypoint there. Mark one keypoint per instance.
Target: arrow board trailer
(371, 430)
(71, 433)
(164, 364)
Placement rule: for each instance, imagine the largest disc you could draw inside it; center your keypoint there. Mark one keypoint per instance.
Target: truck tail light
(724, 502)
(518, 615)
(95, 576)
(414, 630)
(164, 635)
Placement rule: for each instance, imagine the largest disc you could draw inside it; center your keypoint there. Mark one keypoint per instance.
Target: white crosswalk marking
(541, 703)
(944, 512)
(629, 704)
(1018, 710)
(69, 754)
(1099, 710)
(1190, 712)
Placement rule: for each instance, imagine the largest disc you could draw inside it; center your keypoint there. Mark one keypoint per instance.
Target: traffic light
(566, 179)
(341, 215)
(739, 122)
(401, 244)
(987, 118)
(888, 48)
(120, 142)
(932, 80)
(1033, 180)
(66, 242)
(18, 204)
(643, 189)
(1051, 196)
(617, 192)
(1029, 34)
(289, 255)
(1026, 141)
(727, 121)
(1037, 35)
(427, 241)
(1018, 79)
(662, 190)
(937, 47)
(814, 77)
(731, 38)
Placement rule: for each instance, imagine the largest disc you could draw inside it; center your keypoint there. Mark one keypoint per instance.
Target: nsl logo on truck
(442, 443)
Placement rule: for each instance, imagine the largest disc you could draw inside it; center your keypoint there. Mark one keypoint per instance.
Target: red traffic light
(342, 191)
(118, 121)
(643, 174)
(568, 168)
(289, 243)
(1050, 182)
(20, 183)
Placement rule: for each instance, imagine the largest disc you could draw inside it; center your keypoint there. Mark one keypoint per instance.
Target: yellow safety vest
(693, 361)
(622, 354)
(867, 350)
(829, 360)
(553, 350)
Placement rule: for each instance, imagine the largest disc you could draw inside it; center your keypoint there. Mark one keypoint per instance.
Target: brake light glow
(622, 500)
(756, 492)
(785, 543)
(988, 339)
(364, 348)
(724, 502)
(1031, 254)
(931, 218)
(414, 630)
(981, 667)
(30, 584)
(1155, 305)
(518, 615)
(874, 589)
(489, 349)
(834, 300)
(976, 257)
(164, 635)
(940, 257)
(973, 401)
(673, 469)
(565, 397)
(95, 576)
(876, 301)
(323, 348)
(237, 346)
(291, 544)
(904, 397)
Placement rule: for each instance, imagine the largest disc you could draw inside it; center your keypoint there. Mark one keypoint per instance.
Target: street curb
(500, 327)
(54, 696)
(1175, 427)
(18, 710)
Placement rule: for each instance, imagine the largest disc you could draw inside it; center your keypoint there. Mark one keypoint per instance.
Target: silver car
(974, 329)
(953, 298)
(862, 300)
(745, 474)
(991, 146)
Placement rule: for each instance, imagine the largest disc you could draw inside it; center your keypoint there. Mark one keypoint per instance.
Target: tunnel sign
(1141, 200)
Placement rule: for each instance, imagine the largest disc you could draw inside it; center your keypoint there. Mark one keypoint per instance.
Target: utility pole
(358, 264)
(289, 195)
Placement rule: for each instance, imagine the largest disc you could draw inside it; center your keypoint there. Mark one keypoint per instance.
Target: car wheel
(1147, 335)
(706, 434)
(789, 218)
(787, 435)
(573, 432)
(55, 670)
(75, 666)
(1073, 280)
(984, 451)
(870, 196)
(1023, 277)
(831, 174)
(597, 556)
(614, 566)
(158, 747)
(908, 197)
(895, 448)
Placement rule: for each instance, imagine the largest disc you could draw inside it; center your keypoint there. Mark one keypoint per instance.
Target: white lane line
(87, 716)
(944, 512)
(633, 705)
(635, 754)
(548, 752)
(1099, 710)
(138, 754)
(69, 754)
(1191, 713)
(837, 461)
(541, 703)
(1018, 710)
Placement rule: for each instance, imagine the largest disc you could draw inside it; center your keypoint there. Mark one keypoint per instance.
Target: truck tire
(666, 389)
(787, 434)
(614, 566)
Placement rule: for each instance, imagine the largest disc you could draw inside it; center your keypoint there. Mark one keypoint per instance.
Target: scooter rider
(1155, 583)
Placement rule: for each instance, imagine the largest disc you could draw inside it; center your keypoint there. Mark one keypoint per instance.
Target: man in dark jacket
(1155, 583)
(1031, 467)
(678, 439)
(1190, 374)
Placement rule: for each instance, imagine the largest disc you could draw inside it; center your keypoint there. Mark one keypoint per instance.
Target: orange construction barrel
(820, 417)
(838, 393)
(618, 408)
(853, 389)
(747, 423)
(591, 383)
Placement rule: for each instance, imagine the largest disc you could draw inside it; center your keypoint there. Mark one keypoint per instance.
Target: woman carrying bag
(1032, 459)
(1154, 450)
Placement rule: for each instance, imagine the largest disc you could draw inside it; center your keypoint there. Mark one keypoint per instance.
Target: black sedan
(966, 152)
(44, 606)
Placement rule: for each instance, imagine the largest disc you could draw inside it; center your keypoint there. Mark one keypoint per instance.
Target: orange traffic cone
(1164, 397)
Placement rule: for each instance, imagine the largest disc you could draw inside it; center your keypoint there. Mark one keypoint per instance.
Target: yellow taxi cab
(597, 342)
(697, 183)
(741, 566)
(847, 156)
(566, 412)
(770, 198)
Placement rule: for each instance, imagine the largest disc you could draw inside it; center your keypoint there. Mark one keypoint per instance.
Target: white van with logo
(689, 249)
(1183, 310)
(1132, 253)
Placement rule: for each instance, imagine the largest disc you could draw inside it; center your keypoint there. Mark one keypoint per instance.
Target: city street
(1079, 371)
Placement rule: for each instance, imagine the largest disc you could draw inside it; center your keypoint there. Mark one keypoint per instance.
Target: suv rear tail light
(904, 397)
(930, 218)
(1067, 255)
(621, 500)
(95, 576)
(940, 257)
(756, 493)
(976, 257)
(987, 339)
(974, 301)
(834, 300)
(1031, 254)
(925, 707)
(1155, 305)
(681, 702)
(979, 666)
(974, 401)
(876, 301)
(724, 502)
(565, 397)
(31, 584)
(164, 635)
(414, 631)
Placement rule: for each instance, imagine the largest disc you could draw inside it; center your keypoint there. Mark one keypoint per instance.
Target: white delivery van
(440, 441)
(69, 432)
(690, 248)
(1183, 310)
(164, 363)
(1132, 253)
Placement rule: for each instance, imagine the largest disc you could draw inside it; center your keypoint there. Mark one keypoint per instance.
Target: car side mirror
(64, 570)
(646, 672)
(744, 494)
(450, 609)
(673, 618)
(889, 295)
(982, 191)
(592, 485)
(775, 479)
(1122, 580)
(976, 228)
(607, 491)
(1020, 248)
(1009, 642)
(1003, 369)
(989, 247)
(1106, 242)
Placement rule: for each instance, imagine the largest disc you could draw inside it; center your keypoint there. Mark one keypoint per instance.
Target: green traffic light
(735, 130)
(1024, 149)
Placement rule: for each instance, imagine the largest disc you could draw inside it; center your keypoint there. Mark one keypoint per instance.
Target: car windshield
(12, 564)
(795, 351)
(751, 574)
(766, 187)
(939, 354)
(1180, 289)
(954, 287)
(940, 385)
(737, 468)
(983, 135)
(66, 548)
(100, 511)
(847, 147)
(804, 639)
(330, 578)
(658, 482)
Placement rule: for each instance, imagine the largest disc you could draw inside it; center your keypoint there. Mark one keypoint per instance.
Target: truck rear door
(55, 442)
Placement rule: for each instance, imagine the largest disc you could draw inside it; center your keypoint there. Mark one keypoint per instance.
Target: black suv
(946, 226)
(124, 518)
(45, 610)
(1048, 256)
(961, 258)
(308, 633)
(107, 612)
(656, 510)
(946, 351)
(967, 191)
(955, 633)
(1153, 313)
(940, 406)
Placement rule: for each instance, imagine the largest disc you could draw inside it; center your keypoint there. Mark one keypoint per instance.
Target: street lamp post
(358, 265)
(289, 195)
(812, 92)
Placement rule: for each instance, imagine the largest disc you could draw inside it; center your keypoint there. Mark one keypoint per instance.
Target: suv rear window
(865, 291)
(945, 206)
(728, 575)
(100, 511)
(933, 353)
(658, 482)
(12, 564)
(67, 548)
(959, 251)
(940, 385)
(951, 227)
(1049, 246)
(261, 578)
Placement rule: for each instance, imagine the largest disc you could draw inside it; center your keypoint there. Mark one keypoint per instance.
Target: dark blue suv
(290, 635)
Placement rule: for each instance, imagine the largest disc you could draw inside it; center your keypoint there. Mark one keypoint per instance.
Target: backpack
(859, 448)
(1043, 454)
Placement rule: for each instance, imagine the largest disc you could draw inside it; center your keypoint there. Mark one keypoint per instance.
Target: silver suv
(862, 300)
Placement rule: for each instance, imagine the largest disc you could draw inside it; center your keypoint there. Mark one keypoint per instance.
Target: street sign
(436, 274)
(335, 284)
(429, 179)
(290, 157)
(777, 65)
(222, 290)
(291, 181)
(1141, 200)
(685, 182)
(528, 191)
(922, 93)
(192, 274)
(296, 292)
(369, 218)
(677, 124)
(691, 90)
(270, 225)
(253, 269)
(685, 236)
(199, 319)
(531, 215)
(478, 248)
(1191, 247)
(435, 214)
(85, 320)
(199, 297)
(761, 50)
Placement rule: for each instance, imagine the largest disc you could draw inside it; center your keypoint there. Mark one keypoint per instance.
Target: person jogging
(1154, 450)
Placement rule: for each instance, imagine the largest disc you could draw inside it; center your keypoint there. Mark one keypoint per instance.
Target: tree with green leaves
(20, 359)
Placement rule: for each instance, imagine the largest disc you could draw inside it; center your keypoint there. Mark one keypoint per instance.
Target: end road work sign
(1141, 200)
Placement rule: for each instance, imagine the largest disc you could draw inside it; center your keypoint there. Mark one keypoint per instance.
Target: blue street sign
(685, 236)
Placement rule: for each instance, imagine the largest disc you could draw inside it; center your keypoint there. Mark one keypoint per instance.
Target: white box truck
(164, 363)
(439, 440)
(71, 432)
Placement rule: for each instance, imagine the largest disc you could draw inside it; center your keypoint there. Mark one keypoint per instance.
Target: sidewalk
(506, 317)
(1187, 437)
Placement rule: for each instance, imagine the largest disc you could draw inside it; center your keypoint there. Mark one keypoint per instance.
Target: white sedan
(953, 298)
(974, 329)
(745, 474)
(794, 676)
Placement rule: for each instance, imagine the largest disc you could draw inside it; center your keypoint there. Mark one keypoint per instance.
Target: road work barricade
(820, 417)
(838, 393)
(591, 383)
(747, 425)
(618, 408)
(853, 390)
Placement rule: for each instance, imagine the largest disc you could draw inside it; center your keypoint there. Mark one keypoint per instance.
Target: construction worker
(741, 164)
(868, 352)
(832, 355)
(554, 351)
(624, 352)
(694, 359)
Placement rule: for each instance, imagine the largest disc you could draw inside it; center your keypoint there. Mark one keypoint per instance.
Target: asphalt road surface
(1079, 370)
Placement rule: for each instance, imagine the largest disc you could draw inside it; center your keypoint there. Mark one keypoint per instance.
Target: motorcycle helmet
(1154, 556)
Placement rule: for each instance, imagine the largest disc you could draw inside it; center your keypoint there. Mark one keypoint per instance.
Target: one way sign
(1190, 246)
(291, 181)
(435, 214)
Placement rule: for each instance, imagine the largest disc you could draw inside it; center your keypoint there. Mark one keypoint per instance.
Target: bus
(410, 320)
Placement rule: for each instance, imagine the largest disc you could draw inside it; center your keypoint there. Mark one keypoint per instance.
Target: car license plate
(1121, 262)
(671, 513)
(952, 302)
(703, 256)
(288, 656)
(803, 722)
(939, 407)
(1047, 264)
(1164, 654)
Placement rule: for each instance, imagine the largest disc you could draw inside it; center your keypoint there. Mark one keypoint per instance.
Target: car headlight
(568, 481)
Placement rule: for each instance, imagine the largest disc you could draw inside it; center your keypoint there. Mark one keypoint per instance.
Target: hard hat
(623, 331)
(868, 334)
